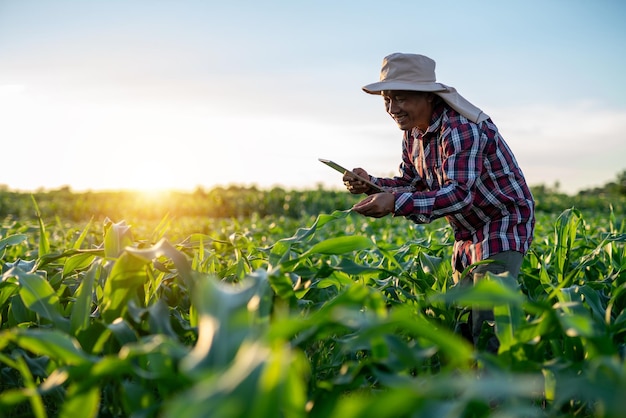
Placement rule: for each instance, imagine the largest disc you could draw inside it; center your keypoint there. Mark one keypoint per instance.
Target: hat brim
(376, 88)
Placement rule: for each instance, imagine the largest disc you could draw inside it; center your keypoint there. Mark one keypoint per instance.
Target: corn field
(329, 315)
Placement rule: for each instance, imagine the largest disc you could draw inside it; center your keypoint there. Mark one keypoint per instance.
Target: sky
(186, 94)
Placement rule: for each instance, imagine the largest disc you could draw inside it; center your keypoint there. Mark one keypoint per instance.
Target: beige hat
(415, 72)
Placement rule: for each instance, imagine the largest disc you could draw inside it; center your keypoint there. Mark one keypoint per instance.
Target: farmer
(454, 164)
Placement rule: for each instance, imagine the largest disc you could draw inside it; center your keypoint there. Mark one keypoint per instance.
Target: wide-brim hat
(414, 72)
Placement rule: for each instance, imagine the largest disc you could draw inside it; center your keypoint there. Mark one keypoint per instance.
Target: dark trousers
(504, 262)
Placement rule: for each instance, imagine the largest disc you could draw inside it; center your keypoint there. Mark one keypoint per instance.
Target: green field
(238, 302)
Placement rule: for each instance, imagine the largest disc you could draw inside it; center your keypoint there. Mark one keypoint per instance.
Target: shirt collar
(435, 121)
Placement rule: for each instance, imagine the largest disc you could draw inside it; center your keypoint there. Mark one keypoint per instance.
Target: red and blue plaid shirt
(467, 173)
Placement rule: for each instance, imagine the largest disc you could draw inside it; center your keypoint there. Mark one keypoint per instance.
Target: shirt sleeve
(461, 165)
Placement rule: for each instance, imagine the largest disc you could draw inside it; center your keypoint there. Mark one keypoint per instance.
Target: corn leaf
(341, 245)
(81, 310)
(82, 401)
(57, 345)
(39, 296)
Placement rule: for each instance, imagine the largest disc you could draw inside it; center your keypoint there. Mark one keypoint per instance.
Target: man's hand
(354, 185)
(376, 205)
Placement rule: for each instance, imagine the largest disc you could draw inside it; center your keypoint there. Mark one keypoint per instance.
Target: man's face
(410, 109)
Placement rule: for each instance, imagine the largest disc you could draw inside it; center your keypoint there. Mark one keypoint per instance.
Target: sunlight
(152, 196)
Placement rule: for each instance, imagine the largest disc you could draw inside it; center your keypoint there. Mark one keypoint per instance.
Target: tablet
(342, 170)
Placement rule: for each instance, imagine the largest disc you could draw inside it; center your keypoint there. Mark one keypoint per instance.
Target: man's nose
(392, 107)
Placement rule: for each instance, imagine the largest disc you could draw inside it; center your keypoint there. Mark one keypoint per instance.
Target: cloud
(578, 145)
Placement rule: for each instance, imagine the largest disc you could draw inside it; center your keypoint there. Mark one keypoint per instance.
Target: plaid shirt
(467, 173)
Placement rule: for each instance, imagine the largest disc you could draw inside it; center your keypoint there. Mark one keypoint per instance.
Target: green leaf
(509, 317)
(430, 264)
(231, 394)
(18, 312)
(138, 397)
(130, 272)
(123, 331)
(164, 248)
(117, 236)
(577, 325)
(81, 311)
(487, 293)
(341, 245)
(44, 243)
(7, 289)
(34, 396)
(282, 285)
(127, 274)
(12, 240)
(456, 348)
(303, 234)
(159, 319)
(12, 397)
(565, 236)
(81, 238)
(60, 347)
(226, 317)
(81, 401)
(39, 296)
(279, 252)
(348, 266)
(78, 262)
(592, 299)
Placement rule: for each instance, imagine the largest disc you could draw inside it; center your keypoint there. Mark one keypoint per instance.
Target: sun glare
(152, 196)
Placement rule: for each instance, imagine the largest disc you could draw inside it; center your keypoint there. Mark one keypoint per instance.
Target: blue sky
(180, 94)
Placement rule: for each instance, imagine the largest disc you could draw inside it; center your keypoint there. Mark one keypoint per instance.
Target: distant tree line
(241, 202)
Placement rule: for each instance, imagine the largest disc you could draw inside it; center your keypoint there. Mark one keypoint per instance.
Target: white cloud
(579, 145)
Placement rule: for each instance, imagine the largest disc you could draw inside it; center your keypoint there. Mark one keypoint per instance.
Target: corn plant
(345, 317)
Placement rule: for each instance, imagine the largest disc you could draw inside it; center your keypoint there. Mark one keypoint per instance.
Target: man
(456, 165)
